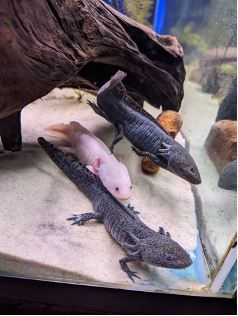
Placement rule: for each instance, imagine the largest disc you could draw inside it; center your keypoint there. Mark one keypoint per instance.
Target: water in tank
(120, 117)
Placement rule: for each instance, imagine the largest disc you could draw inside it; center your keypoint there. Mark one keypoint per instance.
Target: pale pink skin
(112, 172)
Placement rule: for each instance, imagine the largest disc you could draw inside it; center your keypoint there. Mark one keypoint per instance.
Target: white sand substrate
(36, 199)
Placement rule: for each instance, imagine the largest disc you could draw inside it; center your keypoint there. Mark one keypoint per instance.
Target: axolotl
(146, 135)
(100, 161)
(140, 242)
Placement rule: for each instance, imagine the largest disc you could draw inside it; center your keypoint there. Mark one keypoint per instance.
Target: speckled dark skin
(146, 135)
(140, 242)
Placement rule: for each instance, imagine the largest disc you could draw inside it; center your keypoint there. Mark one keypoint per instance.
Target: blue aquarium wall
(165, 14)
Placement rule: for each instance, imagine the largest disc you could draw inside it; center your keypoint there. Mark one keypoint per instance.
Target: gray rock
(228, 107)
(228, 177)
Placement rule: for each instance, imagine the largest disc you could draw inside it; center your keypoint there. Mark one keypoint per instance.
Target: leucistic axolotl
(112, 172)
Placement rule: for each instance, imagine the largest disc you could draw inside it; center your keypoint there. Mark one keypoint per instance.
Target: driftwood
(52, 43)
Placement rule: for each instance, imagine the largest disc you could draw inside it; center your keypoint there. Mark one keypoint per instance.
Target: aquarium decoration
(228, 176)
(89, 42)
(228, 107)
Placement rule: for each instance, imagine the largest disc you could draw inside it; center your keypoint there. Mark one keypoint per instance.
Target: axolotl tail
(67, 131)
(84, 179)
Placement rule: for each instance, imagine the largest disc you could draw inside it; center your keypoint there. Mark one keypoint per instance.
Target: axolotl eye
(169, 257)
(117, 189)
(131, 187)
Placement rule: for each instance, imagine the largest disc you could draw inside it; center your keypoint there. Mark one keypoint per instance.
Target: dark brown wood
(10, 131)
(82, 43)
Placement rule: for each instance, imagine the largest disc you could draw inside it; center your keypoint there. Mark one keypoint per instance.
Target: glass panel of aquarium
(230, 282)
(196, 222)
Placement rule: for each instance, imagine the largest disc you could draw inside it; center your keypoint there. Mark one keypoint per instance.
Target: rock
(228, 177)
(148, 165)
(221, 143)
(172, 122)
(228, 107)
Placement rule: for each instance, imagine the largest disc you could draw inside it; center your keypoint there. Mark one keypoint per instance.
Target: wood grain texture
(82, 43)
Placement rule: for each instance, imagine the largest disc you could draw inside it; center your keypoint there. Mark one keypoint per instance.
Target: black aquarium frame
(23, 296)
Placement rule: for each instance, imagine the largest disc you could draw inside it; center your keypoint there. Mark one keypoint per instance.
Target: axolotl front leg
(118, 136)
(80, 219)
(133, 254)
(123, 263)
(94, 168)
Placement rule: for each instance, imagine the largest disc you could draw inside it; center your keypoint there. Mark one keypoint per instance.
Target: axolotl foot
(80, 219)
(125, 268)
(132, 209)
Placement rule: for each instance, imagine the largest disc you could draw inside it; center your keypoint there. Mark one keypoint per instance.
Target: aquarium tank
(118, 155)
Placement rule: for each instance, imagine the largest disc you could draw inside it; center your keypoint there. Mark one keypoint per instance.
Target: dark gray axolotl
(146, 135)
(140, 242)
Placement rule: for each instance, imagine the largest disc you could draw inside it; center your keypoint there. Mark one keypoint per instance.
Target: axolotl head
(160, 251)
(116, 180)
(182, 164)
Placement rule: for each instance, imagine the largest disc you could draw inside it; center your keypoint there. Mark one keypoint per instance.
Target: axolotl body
(146, 135)
(140, 242)
(112, 172)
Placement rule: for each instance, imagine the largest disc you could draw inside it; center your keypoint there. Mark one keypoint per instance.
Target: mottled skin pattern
(140, 242)
(146, 135)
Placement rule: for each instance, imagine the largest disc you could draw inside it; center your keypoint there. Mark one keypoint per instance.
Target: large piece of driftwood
(50, 43)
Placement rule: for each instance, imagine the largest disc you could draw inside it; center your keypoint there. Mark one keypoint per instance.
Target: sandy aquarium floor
(36, 199)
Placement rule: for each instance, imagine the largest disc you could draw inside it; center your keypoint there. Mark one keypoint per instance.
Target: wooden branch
(10, 131)
(81, 44)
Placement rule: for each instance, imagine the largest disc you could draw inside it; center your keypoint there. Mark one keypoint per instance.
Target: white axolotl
(112, 172)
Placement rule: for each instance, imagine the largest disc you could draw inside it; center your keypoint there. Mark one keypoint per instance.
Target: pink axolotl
(112, 172)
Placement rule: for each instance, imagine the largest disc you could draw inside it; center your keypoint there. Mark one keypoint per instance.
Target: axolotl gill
(146, 135)
(140, 242)
(112, 172)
